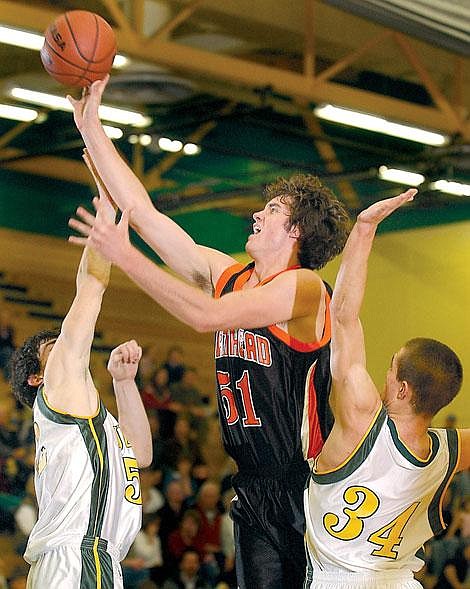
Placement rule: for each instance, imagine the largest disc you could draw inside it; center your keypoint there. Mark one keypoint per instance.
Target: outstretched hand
(380, 210)
(124, 361)
(101, 233)
(86, 108)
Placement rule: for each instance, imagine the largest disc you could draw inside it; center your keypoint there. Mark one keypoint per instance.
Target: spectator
(174, 363)
(145, 559)
(26, 515)
(228, 540)
(208, 506)
(152, 498)
(186, 536)
(147, 366)
(183, 474)
(187, 397)
(455, 571)
(189, 575)
(172, 511)
(156, 395)
(7, 342)
(183, 442)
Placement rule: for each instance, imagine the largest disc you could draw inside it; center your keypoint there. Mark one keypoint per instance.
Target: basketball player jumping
(86, 469)
(375, 494)
(271, 321)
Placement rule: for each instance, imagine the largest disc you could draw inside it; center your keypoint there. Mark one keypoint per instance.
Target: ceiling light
(113, 132)
(17, 113)
(133, 139)
(21, 38)
(173, 145)
(451, 187)
(120, 61)
(378, 124)
(400, 176)
(108, 113)
(191, 149)
(145, 140)
(30, 40)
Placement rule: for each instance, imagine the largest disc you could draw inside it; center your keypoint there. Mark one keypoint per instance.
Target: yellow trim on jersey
(97, 563)
(356, 449)
(71, 414)
(423, 460)
(98, 447)
(449, 480)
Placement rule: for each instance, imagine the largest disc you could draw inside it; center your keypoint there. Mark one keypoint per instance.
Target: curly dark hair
(25, 362)
(433, 370)
(322, 220)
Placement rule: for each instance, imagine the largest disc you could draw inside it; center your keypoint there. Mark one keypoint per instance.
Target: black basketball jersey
(272, 391)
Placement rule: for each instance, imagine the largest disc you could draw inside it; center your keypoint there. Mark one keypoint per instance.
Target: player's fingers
(83, 241)
(72, 100)
(85, 215)
(77, 225)
(124, 220)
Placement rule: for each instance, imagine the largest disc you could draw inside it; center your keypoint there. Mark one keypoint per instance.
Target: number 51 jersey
(272, 391)
(87, 483)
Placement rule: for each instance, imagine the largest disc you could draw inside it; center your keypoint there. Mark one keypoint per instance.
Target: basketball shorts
(72, 567)
(269, 527)
(378, 580)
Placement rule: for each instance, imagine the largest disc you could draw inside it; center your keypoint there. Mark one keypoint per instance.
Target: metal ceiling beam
(236, 71)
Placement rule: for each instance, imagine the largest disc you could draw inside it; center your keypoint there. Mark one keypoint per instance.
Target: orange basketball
(79, 48)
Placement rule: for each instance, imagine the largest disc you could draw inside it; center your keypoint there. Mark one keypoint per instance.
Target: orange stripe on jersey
(299, 345)
(315, 439)
(225, 277)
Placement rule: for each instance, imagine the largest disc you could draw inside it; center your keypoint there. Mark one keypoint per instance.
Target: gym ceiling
(243, 81)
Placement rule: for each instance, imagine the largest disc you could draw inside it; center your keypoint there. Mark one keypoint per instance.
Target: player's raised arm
(176, 248)
(288, 296)
(122, 365)
(352, 386)
(66, 376)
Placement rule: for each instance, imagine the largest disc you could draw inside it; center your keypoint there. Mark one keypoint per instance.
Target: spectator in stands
(7, 342)
(189, 401)
(183, 442)
(210, 510)
(147, 366)
(145, 559)
(152, 498)
(455, 571)
(186, 536)
(174, 363)
(172, 511)
(228, 540)
(156, 395)
(26, 515)
(189, 574)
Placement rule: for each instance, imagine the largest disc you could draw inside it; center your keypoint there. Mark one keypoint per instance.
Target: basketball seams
(73, 66)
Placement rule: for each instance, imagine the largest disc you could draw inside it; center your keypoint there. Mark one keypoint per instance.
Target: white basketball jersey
(87, 483)
(375, 511)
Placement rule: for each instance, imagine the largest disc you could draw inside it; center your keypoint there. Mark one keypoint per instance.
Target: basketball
(79, 48)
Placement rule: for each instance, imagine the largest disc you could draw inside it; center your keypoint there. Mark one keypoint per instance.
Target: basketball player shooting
(271, 320)
(375, 494)
(86, 468)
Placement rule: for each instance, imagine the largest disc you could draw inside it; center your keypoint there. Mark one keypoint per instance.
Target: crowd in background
(186, 540)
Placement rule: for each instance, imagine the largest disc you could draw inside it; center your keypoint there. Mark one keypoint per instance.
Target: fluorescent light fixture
(172, 145)
(191, 149)
(400, 176)
(451, 187)
(20, 38)
(29, 40)
(378, 124)
(113, 132)
(120, 61)
(108, 113)
(18, 113)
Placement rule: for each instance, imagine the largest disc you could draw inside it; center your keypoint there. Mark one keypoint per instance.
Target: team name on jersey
(241, 343)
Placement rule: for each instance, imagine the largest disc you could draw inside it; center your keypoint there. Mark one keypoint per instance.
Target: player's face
(271, 228)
